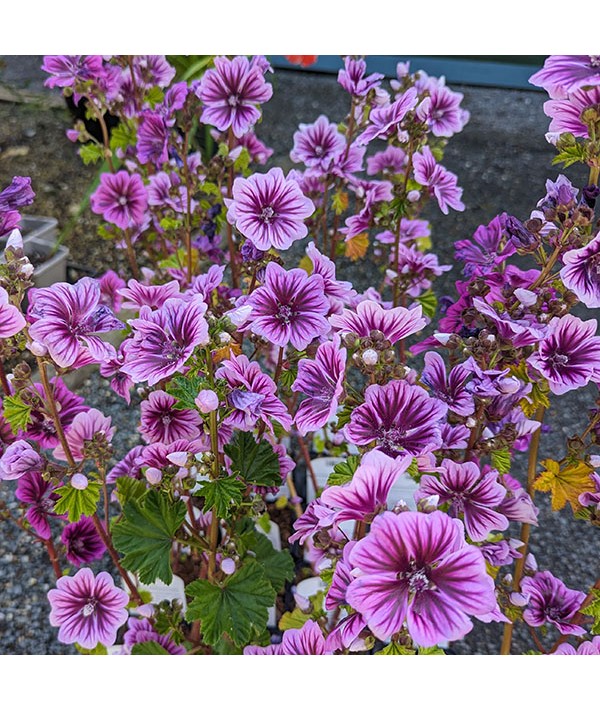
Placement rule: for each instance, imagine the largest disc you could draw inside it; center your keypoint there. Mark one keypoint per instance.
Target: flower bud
(153, 475)
(526, 297)
(79, 482)
(37, 348)
(520, 236)
(19, 458)
(413, 195)
(370, 357)
(207, 401)
(228, 566)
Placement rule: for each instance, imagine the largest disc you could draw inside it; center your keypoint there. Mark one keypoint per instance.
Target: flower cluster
(244, 366)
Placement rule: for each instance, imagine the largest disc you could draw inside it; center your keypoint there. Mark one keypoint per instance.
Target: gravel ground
(502, 161)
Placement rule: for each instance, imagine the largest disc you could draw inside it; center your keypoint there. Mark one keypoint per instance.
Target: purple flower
(353, 80)
(135, 294)
(391, 160)
(130, 466)
(230, 94)
(581, 273)
(566, 113)
(253, 395)
(386, 120)
(307, 640)
(316, 516)
(71, 68)
(82, 542)
(269, 209)
(395, 324)
(470, 493)
(441, 110)
(587, 647)
(569, 356)
(488, 251)
(591, 498)
(38, 493)
(17, 194)
(161, 421)
(65, 315)
(141, 630)
(366, 495)
(18, 459)
(563, 74)
(442, 183)
(41, 427)
(259, 152)
(152, 139)
(120, 198)
(449, 388)
(205, 284)
(417, 569)
(416, 268)
(517, 504)
(207, 401)
(9, 221)
(153, 70)
(164, 339)
(338, 292)
(11, 319)
(550, 601)
(398, 417)
(110, 283)
(321, 381)
(289, 307)
(89, 610)
(317, 144)
(85, 428)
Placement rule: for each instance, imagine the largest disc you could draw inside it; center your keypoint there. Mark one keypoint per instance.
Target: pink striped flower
(416, 568)
(161, 421)
(321, 381)
(88, 609)
(395, 324)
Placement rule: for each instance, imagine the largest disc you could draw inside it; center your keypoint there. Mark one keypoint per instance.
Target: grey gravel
(502, 161)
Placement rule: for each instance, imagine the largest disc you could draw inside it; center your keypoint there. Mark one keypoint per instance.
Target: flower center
(172, 351)
(122, 200)
(166, 419)
(558, 360)
(553, 613)
(267, 214)
(595, 60)
(417, 578)
(89, 608)
(233, 100)
(285, 314)
(319, 150)
(390, 440)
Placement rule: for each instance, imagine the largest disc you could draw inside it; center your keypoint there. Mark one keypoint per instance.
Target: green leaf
(122, 136)
(501, 460)
(129, 488)
(186, 388)
(154, 96)
(91, 153)
(255, 461)
(170, 223)
(221, 494)
(148, 648)
(293, 620)
(99, 650)
(395, 648)
(344, 471)
(77, 502)
(277, 565)
(242, 162)
(238, 607)
(593, 609)
(145, 535)
(428, 301)
(16, 413)
(570, 152)
(430, 651)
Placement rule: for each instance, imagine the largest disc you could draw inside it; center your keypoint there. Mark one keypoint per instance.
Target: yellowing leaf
(340, 202)
(226, 351)
(356, 247)
(565, 484)
(306, 264)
